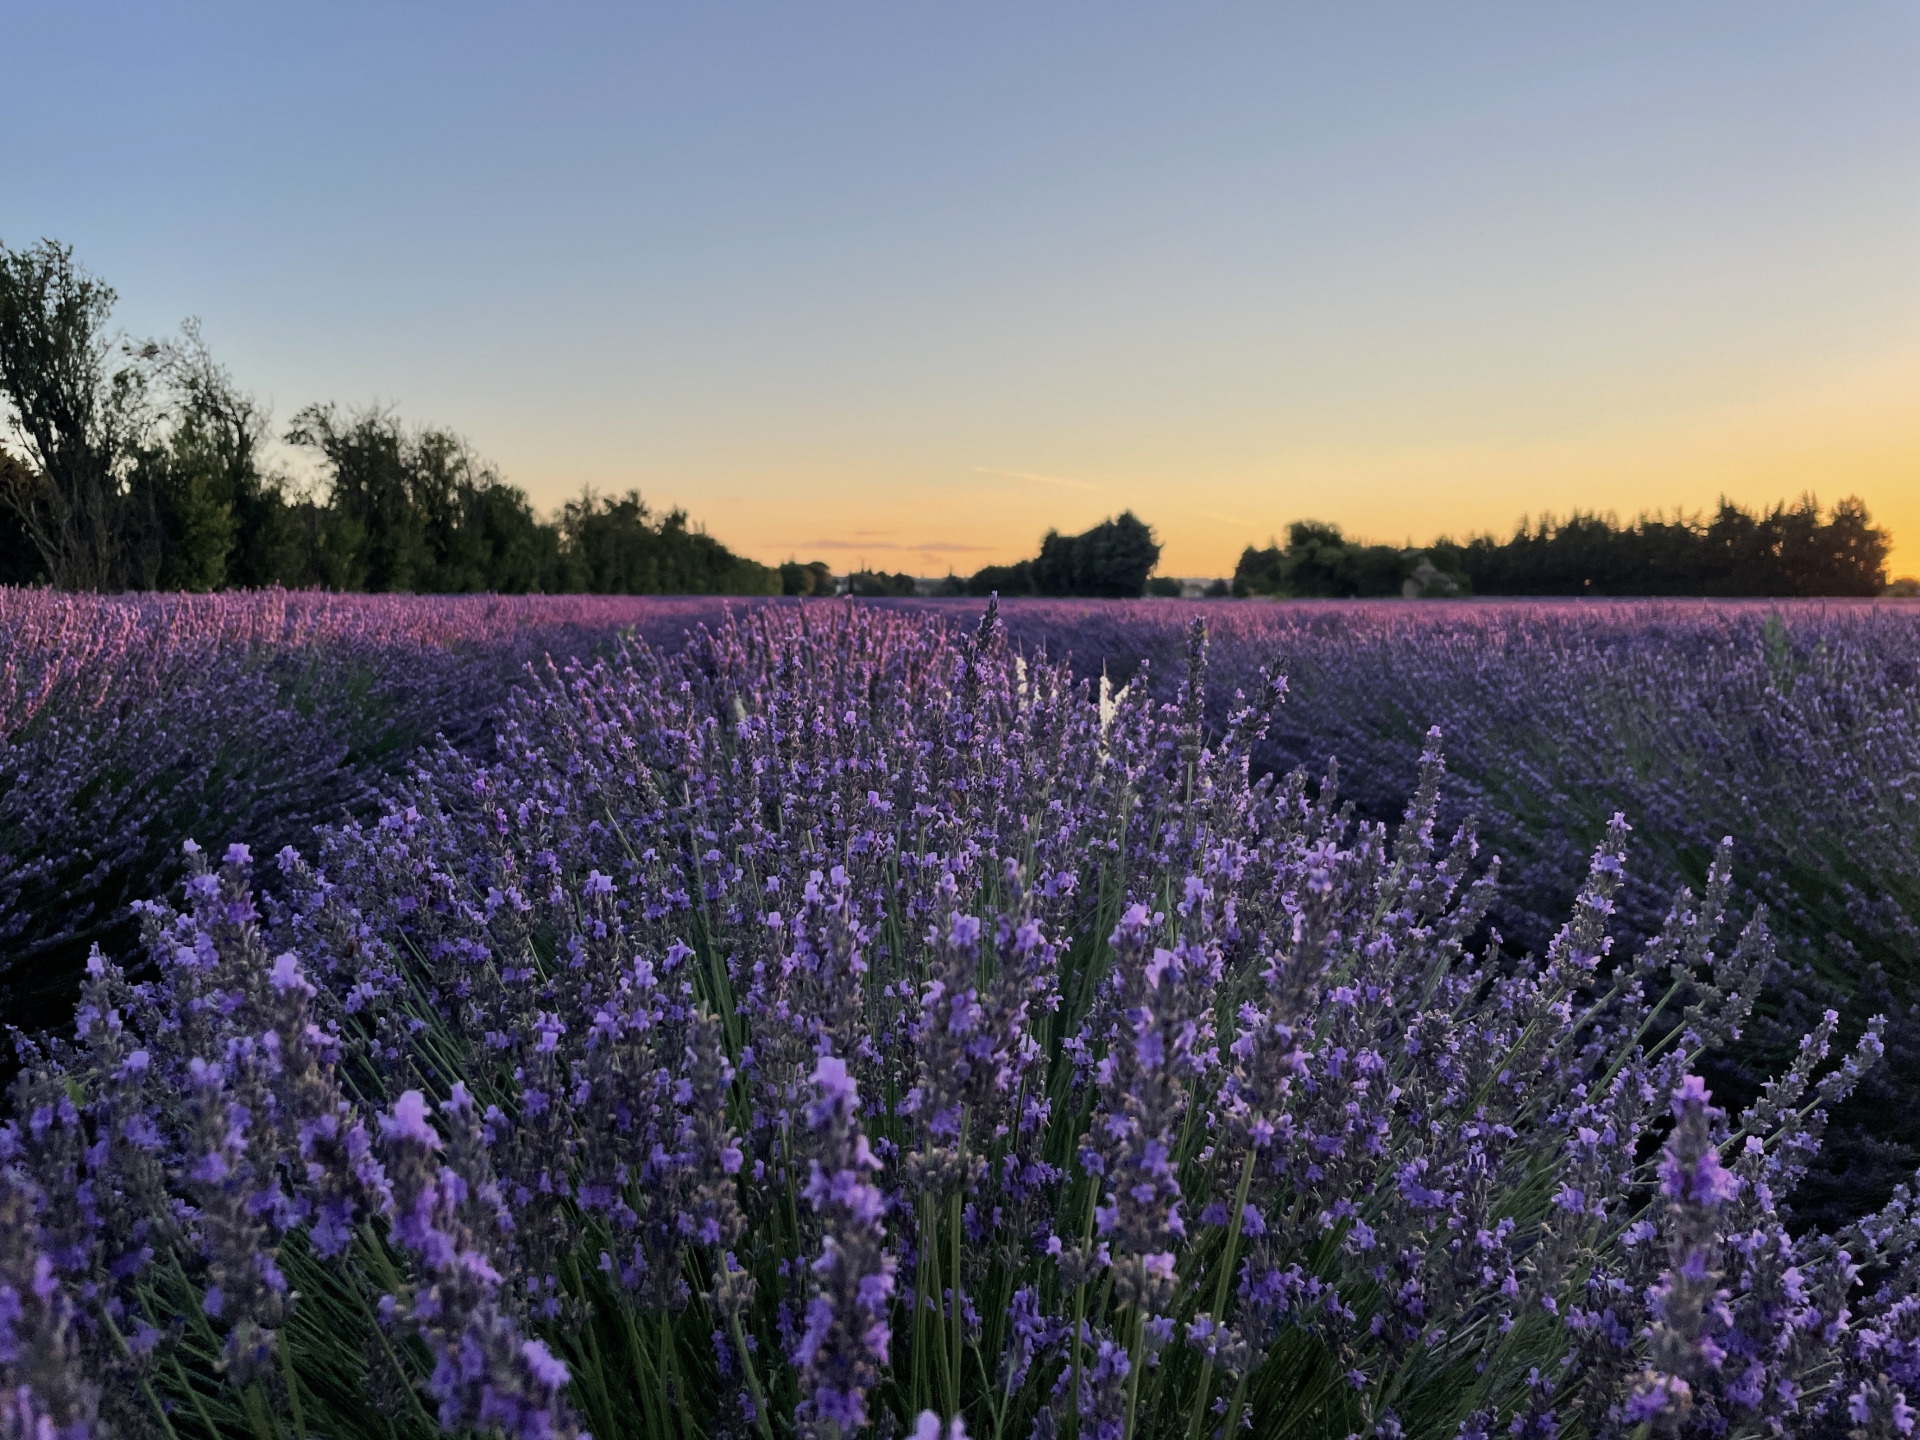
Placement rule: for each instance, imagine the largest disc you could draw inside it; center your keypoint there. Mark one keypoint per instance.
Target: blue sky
(908, 285)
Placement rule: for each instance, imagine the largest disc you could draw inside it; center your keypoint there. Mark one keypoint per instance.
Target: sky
(904, 286)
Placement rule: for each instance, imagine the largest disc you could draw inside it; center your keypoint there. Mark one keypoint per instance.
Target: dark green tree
(1845, 555)
(1261, 572)
(812, 578)
(72, 413)
(142, 461)
(1112, 560)
(180, 529)
(20, 560)
(218, 483)
(877, 584)
(478, 532)
(1320, 562)
(1003, 580)
(1788, 550)
(615, 546)
(511, 550)
(416, 510)
(374, 533)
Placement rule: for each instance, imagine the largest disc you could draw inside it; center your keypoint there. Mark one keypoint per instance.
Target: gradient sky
(908, 284)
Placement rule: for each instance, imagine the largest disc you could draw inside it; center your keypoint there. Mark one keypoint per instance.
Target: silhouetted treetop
(1111, 561)
(140, 465)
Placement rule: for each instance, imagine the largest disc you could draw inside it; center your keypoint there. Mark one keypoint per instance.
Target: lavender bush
(1792, 727)
(843, 1026)
(130, 723)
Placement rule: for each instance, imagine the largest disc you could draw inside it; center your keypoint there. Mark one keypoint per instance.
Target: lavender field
(646, 1018)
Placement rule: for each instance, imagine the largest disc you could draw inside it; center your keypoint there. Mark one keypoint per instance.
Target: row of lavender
(1773, 723)
(128, 724)
(841, 1021)
(1794, 729)
(132, 723)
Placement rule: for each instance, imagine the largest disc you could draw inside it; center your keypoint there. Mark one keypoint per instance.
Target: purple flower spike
(408, 1121)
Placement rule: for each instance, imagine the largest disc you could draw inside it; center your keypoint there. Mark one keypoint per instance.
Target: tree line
(142, 465)
(1113, 560)
(1788, 550)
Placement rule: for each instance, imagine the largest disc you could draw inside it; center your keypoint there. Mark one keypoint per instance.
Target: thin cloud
(847, 545)
(945, 547)
(1043, 479)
